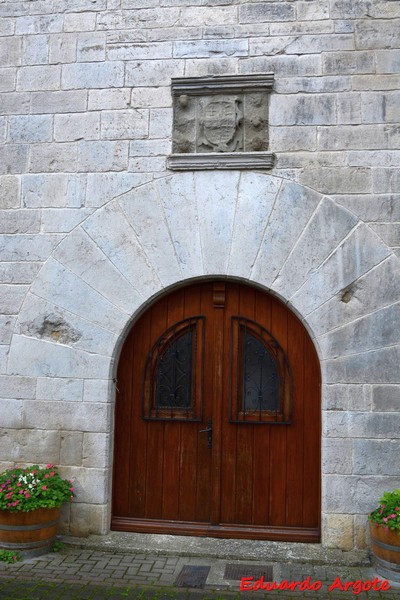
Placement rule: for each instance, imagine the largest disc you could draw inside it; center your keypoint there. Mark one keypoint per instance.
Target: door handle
(209, 433)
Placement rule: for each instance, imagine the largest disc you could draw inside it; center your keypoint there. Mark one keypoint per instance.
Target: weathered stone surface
(317, 241)
(377, 207)
(42, 77)
(32, 128)
(58, 220)
(210, 48)
(292, 210)
(19, 272)
(109, 99)
(62, 48)
(7, 323)
(143, 211)
(38, 358)
(139, 51)
(53, 157)
(216, 201)
(92, 75)
(64, 390)
(377, 366)
(378, 33)
(102, 156)
(386, 398)
(152, 73)
(256, 197)
(266, 12)
(338, 180)
(356, 494)
(103, 187)
(38, 446)
(339, 529)
(388, 232)
(302, 109)
(80, 254)
(35, 50)
(91, 47)
(99, 390)
(73, 127)
(344, 397)
(89, 518)
(13, 158)
(26, 247)
(124, 125)
(376, 289)
(17, 387)
(11, 413)
(114, 236)
(373, 457)
(71, 443)
(59, 102)
(83, 417)
(378, 330)
(96, 450)
(19, 221)
(337, 456)
(9, 191)
(360, 252)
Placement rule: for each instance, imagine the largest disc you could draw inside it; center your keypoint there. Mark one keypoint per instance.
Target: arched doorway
(218, 418)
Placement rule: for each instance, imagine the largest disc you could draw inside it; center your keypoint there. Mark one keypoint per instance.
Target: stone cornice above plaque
(221, 122)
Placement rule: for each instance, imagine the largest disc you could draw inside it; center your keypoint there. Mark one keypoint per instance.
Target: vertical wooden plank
(261, 482)
(277, 458)
(228, 429)
(172, 431)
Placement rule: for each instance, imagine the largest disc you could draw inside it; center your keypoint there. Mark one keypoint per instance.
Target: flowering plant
(28, 488)
(388, 512)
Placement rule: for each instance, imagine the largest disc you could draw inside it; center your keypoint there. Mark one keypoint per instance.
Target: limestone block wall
(93, 226)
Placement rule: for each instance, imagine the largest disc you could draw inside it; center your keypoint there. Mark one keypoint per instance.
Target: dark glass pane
(174, 374)
(260, 376)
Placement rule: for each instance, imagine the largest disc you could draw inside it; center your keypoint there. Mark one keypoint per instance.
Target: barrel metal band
(386, 546)
(28, 545)
(28, 527)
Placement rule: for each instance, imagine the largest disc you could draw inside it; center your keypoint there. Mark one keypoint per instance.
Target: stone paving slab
(77, 574)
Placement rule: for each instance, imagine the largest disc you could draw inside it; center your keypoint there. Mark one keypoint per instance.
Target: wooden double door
(218, 418)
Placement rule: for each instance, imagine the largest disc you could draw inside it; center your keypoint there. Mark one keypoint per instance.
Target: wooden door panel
(258, 480)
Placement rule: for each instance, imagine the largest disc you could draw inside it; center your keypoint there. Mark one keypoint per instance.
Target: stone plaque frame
(221, 122)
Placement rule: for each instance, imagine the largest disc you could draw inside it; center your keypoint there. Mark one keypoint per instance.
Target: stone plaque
(221, 122)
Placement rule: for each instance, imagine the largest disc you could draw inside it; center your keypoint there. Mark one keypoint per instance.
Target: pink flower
(44, 487)
(392, 516)
(71, 489)
(46, 476)
(14, 558)
(19, 484)
(385, 519)
(16, 502)
(376, 524)
(52, 473)
(27, 495)
(49, 466)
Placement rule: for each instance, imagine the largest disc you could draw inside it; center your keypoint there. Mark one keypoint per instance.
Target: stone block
(59, 416)
(32, 24)
(144, 213)
(4, 350)
(80, 255)
(40, 358)
(378, 330)
(62, 48)
(102, 156)
(375, 82)
(14, 103)
(91, 485)
(349, 108)
(19, 221)
(27, 247)
(41, 77)
(117, 240)
(316, 243)
(377, 33)
(386, 398)
(328, 180)
(99, 390)
(353, 63)
(96, 450)
(55, 157)
(149, 165)
(7, 80)
(355, 494)
(124, 124)
(10, 51)
(80, 21)
(74, 127)
(6, 26)
(376, 457)
(9, 191)
(91, 47)
(154, 147)
(388, 61)
(210, 48)
(7, 324)
(30, 128)
(386, 180)
(344, 137)
(92, 75)
(44, 190)
(376, 207)
(311, 12)
(311, 44)
(151, 98)
(89, 519)
(374, 158)
(17, 387)
(112, 99)
(102, 187)
(38, 446)
(266, 12)
(388, 232)
(160, 123)
(337, 456)
(71, 448)
(63, 390)
(302, 109)
(292, 138)
(152, 73)
(35, 50)
(139, 51)
(59, 220)
(19, 272)
(59, 102)
(200, 16)
(338, 531)
(13, 158)
(292, 210)
(361, 531)
(11, 298)
(69, 291)
(11, 413)
(377, 366)
(380, 107)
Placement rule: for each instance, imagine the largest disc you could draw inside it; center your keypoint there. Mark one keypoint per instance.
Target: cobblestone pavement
(77, 574)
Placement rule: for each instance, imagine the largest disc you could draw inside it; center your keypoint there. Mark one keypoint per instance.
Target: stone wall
(93, 226)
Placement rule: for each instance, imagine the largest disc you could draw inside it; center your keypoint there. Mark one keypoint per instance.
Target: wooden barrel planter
(29, 533)
(386, 552)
